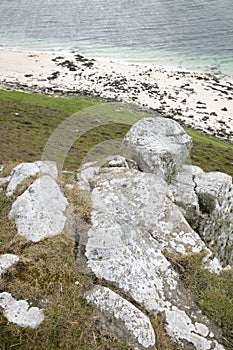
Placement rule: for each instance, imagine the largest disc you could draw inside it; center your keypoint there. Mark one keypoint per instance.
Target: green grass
(48, 269)
(211, 154)
(27, 121)
(69, 105)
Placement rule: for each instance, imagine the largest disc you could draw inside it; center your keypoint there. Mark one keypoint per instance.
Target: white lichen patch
(180, 326)
(201, 329)
(19, 312)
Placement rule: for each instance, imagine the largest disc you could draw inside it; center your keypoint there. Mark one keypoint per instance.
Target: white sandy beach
(201, 101)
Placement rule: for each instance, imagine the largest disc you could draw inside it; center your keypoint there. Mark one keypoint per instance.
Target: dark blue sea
(193, 34)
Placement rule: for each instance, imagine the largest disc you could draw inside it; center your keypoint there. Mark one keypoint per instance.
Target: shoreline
(201, 101)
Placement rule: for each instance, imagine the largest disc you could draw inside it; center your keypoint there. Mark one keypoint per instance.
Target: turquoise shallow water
(195, 34)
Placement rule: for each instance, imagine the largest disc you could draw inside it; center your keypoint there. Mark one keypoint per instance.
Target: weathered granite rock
(206, 200)
(122, 318)
(133, 222)
(39, 211)
(25, 170)
(6, 260)
(19, 312)
(158, 145)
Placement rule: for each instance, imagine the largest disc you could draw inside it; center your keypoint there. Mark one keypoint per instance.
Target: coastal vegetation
(47, 271)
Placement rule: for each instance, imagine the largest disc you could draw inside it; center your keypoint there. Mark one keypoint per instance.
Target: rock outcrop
(140, 215)
(133, 222)
(144, 209)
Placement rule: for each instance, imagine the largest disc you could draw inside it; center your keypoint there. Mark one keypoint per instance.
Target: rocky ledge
(146, 204)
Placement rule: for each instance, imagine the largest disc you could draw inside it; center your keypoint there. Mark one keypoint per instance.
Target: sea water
(192, 34)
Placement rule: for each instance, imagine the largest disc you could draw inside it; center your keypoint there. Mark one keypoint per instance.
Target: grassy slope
(48, 268)
(27, 121)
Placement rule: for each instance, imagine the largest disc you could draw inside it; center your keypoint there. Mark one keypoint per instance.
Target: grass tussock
(213, 293)
(79, 203)
(7, 228)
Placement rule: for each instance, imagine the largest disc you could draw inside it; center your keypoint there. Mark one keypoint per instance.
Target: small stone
(19, 312)
(6, 261)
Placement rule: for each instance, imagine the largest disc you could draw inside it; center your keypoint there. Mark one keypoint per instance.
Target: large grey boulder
(122, 318)
(25, 170)
(133, 222)
(19, 312)
(206, 200)
(158, 145)
(39, 212)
